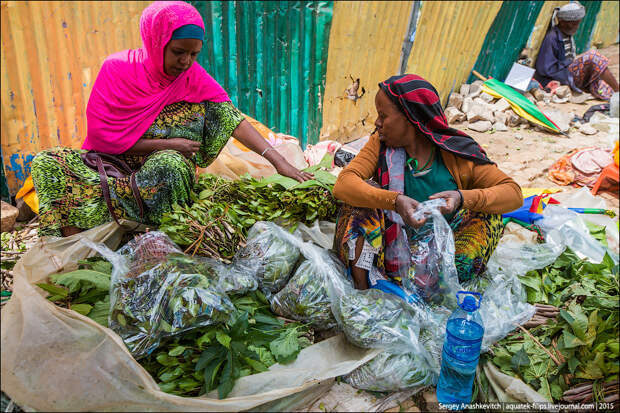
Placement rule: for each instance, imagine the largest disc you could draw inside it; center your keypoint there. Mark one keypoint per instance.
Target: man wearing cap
(557, 59)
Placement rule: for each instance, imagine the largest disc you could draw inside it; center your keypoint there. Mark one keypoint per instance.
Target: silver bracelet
(265, 151)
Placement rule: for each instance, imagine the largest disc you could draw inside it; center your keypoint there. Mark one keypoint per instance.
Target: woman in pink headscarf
(159, 111)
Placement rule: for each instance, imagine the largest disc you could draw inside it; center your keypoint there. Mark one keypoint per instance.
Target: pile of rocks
(482, 112)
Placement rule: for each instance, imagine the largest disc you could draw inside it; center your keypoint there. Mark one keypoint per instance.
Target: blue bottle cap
(469, 304)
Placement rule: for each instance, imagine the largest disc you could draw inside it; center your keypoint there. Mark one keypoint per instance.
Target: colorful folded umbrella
(519, 103)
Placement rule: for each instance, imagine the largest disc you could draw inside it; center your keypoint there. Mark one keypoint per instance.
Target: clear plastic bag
(567, 226)
(433, 274)
(157, 291)
(375, 319)
(275, 253)
(392, 372)
(305, 297)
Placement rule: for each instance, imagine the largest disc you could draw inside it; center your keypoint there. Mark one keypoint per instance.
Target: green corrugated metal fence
(584, 34)
(271, 57)
(506, 38)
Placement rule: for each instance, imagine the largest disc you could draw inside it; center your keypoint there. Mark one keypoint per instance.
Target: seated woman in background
(556, 59)
(413, 139)
(159, 111)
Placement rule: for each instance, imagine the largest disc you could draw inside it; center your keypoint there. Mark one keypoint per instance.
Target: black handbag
(111, 166)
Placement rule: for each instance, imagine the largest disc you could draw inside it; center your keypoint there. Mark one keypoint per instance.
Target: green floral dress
(70, 193)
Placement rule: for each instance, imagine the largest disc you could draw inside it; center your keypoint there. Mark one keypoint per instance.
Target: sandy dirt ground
(526, 153)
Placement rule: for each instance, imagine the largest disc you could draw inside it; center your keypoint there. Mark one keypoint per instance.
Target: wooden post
(479, 76)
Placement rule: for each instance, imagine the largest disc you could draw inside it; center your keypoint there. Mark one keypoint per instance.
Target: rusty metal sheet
(448, 40)
(51, 53)
(606, 28)
(365, 43)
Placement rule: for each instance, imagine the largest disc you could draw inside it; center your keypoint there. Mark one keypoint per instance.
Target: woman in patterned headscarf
(415, 156)
(159, 111)
(557, 61)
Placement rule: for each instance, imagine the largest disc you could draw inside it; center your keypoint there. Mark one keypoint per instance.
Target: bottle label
(462, 350)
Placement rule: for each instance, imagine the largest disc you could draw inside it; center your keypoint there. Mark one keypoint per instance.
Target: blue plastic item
(523, 213)
(390, 287)
(461, 351)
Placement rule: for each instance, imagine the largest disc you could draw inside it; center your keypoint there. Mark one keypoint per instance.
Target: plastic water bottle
(461, 351)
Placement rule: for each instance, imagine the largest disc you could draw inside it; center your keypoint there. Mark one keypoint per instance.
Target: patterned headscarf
(571, 12)
(419, 101)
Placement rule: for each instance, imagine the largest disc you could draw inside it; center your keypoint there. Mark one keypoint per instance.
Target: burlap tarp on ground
(54, 359)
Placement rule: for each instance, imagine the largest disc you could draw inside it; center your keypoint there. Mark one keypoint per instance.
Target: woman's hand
(286, 169)
(405, 207)
(453, 201)
(187, 147)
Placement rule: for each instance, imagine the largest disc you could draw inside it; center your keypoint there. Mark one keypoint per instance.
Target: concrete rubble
(561, 119)
(464, 91)
(500, 127)
(501, 105)
(8, 218)
(468, 103)
(456, 101)
(486, 97)
(453, 115)
(480, 112)
(563, 92)
(580, 98)
(480, 126)
(587, 129)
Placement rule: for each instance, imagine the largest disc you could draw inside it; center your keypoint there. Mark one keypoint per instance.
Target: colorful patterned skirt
(70, 193)
(476, 235)
(587, 69)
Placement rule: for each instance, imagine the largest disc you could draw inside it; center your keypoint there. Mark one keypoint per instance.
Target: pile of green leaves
(215, 357)
(222, 212)
(85, 290)
(584, 339)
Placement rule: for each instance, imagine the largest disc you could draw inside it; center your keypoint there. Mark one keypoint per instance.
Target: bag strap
(106, 189)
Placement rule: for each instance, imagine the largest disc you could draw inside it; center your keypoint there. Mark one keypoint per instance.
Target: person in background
(415, 156)
(159, 111)
(557, 58)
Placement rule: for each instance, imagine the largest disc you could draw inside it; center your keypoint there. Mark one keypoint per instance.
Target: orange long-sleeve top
(485, 188)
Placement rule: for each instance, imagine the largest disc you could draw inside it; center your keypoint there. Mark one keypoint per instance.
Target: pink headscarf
(132, 87)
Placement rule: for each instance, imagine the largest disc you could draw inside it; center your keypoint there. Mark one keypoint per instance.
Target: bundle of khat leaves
(372, 318)
(275, 253)
(222, 211)
(306, 296)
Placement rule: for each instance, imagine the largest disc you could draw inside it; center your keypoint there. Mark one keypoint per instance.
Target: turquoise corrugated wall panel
(586, 28)
(271, 57)
(506, 38)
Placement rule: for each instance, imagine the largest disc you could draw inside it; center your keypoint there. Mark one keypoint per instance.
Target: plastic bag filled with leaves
(276, 254)
(392, 371)
(173, 293)
(432, 274)
(374, 319)
(306, 296)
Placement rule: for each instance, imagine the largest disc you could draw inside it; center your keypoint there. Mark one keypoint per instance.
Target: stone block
(8, 218)
(538, 94)
(475, 90)
(500, 127)
(480, 126)
(500, 117)
(456, 101)
(464, 91)
(512, 119)
(501, 105)
(479, 112)
(454, 115)
(486, 97)
(563, 92)
(467, 104)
